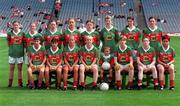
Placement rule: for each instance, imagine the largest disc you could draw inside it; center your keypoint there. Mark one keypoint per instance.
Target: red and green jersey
(94, 34)
(89, 55)
(49, 35)
(166, 56)
(71, 55)
(37, 55)
(123, 56)
(155, 37)
(15, 42)
(67, 33)
(28, 40)
(133, 37)
(54, 57)
(110, 37)
(146, 56)
(109, 59)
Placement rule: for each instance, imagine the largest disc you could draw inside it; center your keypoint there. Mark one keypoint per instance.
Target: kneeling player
(123, 62)
(166, 58)
(106, 62)
(54, 60)
(146, 62)
(89, 54)
(37, 59)
(71, 59)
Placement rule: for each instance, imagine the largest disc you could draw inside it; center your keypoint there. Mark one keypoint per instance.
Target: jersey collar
(71, 30)
(131, 29)
(165, 49)
(37, 48)
(109, 28)
(106, 57)
(53, 32)
(54, 51)
(90, 48)
(90, 32)
(17, 32)
(70, 48)
(123, 49)
(146, 49)
(32, 34)
(155, 28)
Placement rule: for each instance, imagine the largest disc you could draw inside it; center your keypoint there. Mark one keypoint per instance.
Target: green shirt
(94, 34)
(54, 57)
(15, 42)
(155, 37)
(166, 56)
(89, 55)
(146, 56)
(123, 56)
(49, 35)
(110, 38)
(37, 55)
(133, 37)
(71, 55)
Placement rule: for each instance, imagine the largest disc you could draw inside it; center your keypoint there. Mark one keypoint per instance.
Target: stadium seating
(164, 9)
(36, 6)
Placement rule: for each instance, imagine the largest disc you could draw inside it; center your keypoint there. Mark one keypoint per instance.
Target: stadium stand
(166, 11)
(32, 10)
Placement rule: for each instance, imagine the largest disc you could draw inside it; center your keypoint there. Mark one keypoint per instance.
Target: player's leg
(118, 77)
(94, 69)
(31, 80)
(140, 76)
(171, 76)
(65, 76)
(41, 76)
(19, 65)
(110, 75)
(12, 62)
(81, 74)
(59, 75)
(46, 73)
(154, 72)
(130, 70)
(101, 74)
(161, 75)
(75, 76)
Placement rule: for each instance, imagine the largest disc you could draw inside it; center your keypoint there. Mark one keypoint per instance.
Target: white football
(104, 86)
(106, 66)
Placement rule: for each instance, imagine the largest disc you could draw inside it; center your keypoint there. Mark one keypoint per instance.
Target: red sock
(118, 84)
(102, 78)
(82, 83)
(94, 83)
(10, 82)
(172, 83)
(65, 84)
(161, 83)
(155, 81)
(130, 83)
(139, 82)
(20, 82)
(110, 78)
(75, 83)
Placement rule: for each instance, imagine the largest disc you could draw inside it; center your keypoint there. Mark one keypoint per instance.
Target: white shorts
(124, 67)
(13, 60)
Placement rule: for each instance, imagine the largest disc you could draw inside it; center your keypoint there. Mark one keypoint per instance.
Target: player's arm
(81, 58)
(66, 62)
(75, 63)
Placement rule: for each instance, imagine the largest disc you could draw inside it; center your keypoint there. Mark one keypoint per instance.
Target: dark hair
(166, 37)
(90, 20)
(15, 22)
(54, 40)
(152, 18)
(131, 18)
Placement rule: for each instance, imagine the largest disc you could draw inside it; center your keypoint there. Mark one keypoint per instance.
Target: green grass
(25, 97)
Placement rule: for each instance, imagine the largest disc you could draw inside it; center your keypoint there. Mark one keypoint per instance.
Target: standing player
(71, 59)
(71, 31)
(90, 31)
(16, 52)
(123, 62)
(54, 60)
(109, 34)
(37, 60)
(51, 33)
(166, 58)
(133, 35)
(88, 58)
(146, 59)
(106, 58)
(154, 33)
